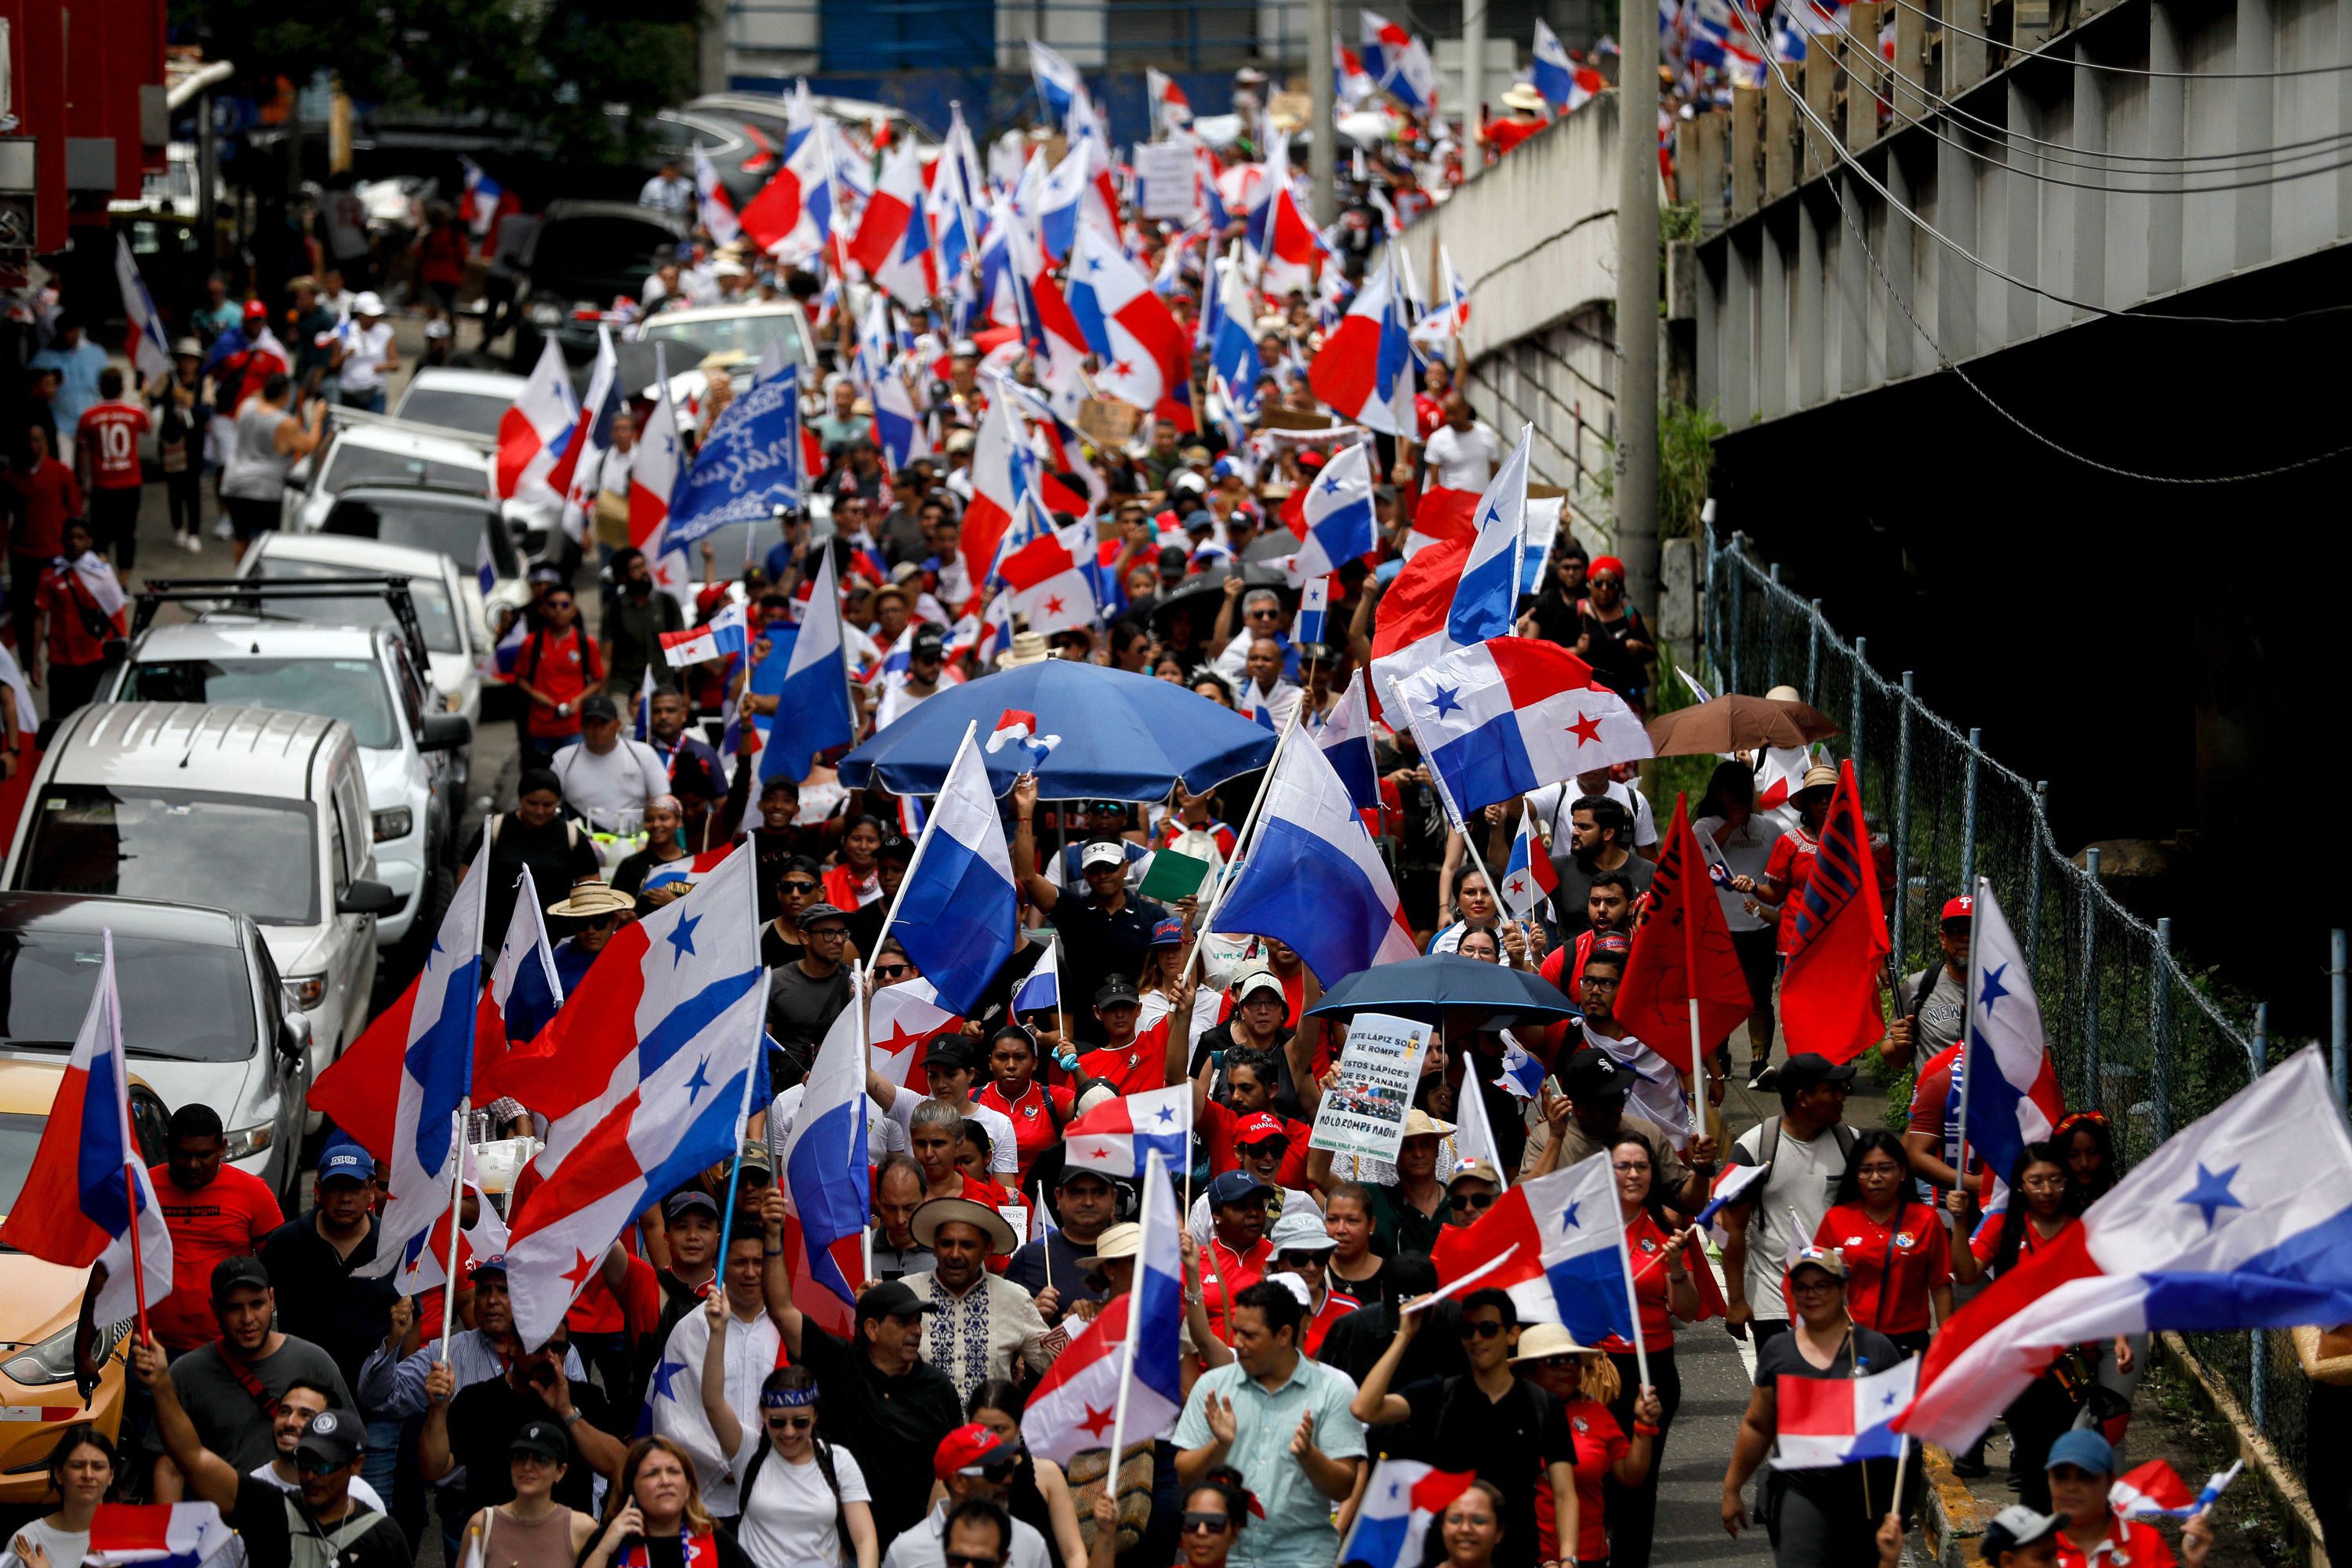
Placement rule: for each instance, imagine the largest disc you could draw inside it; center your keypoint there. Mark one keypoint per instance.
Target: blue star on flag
(698, 1082)
(1568, 1220)
(1166, 1115)
(1449, 700)
(2212, 1193)
(663, 1373)
(1993, 989)
(682, 939)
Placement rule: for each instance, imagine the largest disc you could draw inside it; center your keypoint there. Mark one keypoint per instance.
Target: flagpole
(1047, 1239)
(1453, 815)
(915, 862)
(1690, 977)
(1633, 1302)
(1902, 1466)
(861, 996)
(137, 1268)
(1967, 1033)
(456, 1196)
(1241, 853)
(742, 1116)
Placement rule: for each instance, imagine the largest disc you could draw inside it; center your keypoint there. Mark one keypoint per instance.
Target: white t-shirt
(1003, 1154)
(789, 1516)
(1552, 804)
(1745, 852)
(363, 352)
(1805, 1178)
(608, 788)
(750, 1350)
(883, 1134)
(1464, 460)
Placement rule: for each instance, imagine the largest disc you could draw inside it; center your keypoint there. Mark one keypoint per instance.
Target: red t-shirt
(1646, 1245)
(1889, 1269)
(1232, 1273)
(1217, 1126)
(1790, 867)
(1600, 1444)
(1335, 1307)
(1036, 1128)
(1502, 135)
(65, 597)
(561, 664)
(109, 433)
(1140, 1065)
(642, 1299)
(2135, 1541)
(1987, 1240)
(225, 1217)
(45, 497)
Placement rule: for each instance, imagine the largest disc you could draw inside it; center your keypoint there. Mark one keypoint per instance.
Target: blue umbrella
(1120, 736)
(1444, 982)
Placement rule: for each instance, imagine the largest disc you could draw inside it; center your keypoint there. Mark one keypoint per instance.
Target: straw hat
(591, 899)
(1419, 1123)
(1123, 1240)
(1028, 648)
(1816, 777)
(1540, 1342)
(936, 1212)
(1784, 694)
(1523, 97)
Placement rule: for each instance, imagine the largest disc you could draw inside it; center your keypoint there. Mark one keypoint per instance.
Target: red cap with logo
(1258, 1128)
(968, 1448)
(1963, 908)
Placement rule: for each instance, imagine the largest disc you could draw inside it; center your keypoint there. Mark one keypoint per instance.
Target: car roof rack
(251, 596)
(364, 418)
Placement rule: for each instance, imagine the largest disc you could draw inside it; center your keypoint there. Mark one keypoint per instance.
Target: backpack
(1768, 1147)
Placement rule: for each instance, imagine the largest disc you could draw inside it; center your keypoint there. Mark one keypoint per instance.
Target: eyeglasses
(828, 933)
(558, 604)
(894, 970)
(1457, 1202)
(791, 1423)
(1205, 1523)
(802, 886)
(1629, 1165)
(959, 1560)
(1482, 1328)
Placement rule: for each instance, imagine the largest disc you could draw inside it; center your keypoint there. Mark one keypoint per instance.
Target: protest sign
(1363, 1113)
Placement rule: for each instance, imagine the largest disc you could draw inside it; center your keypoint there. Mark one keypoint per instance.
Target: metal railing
(2132, 1033)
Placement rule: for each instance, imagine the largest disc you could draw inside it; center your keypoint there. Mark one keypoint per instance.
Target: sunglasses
(1205, 1523)
(802, 886)
(310, 1467)
(1457, 1202)
(1485, 1328)
(894, 970)
(959, 1560)
(558, 604)
(1606, 581)
(791, 1423)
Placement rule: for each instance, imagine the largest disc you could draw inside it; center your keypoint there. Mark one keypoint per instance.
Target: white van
(255, 810)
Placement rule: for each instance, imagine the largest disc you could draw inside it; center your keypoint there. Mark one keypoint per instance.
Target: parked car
(767, 115)
(450, 606)
(470, 400)
(206, 1017)
(40, 1303)
(241, 809)
(585, 254)
(474, 532)
(369, 450)
(745, 328)
(411, 752)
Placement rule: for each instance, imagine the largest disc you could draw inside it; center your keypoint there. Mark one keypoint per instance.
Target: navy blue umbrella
(1118, 736)
(1444, 984)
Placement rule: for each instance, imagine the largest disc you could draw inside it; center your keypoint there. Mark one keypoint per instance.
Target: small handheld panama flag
(1403, 1501)
(1018, 728)
(1827, 1421)
(75, 1207)
(722, 635)
(1529, 876)
(1041, 989)
(2156, 1490)
(1314, 607)
(155, 1535)
(1558, 1245)
(824, 1175)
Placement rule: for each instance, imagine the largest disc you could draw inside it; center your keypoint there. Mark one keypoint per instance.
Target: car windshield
(478, 412)
(750, 334)
(460, 532)
(430, 594)
(352, 689)
(185, 1001)
(178, 846)
(20, 1135)
(350, 464)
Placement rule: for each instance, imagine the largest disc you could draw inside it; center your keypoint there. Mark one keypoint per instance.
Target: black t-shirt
(1568, 900)
(800, 1009)
(558, 854)
(1507, 1441)
(319, 1298)
(1779, 1357)
(483, 1420)
(774, 950)
(1099, 944)
(267, 1518)
(888, 1423)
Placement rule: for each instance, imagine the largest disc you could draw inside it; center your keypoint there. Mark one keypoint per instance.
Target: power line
(1945, 360)
(2122, 70)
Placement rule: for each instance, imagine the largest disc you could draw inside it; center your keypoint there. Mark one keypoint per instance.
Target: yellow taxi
(40, 1303)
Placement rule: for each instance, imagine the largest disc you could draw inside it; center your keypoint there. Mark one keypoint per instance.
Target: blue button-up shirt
(1296, 1532)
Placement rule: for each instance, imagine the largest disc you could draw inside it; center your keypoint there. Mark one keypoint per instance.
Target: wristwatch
(570, 1419)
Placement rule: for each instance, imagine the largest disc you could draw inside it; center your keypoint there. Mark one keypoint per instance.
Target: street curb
(1948, 1519)
(2275, 1475)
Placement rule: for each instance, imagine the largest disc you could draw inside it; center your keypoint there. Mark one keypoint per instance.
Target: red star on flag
(1054, 605)
(577, 1275)
(1518, 885)
(902, 1038)
(1096, 1422)
(1122, 368)
(1586, 728)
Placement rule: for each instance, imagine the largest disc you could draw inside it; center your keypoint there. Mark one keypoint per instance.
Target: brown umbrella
(1737, 725)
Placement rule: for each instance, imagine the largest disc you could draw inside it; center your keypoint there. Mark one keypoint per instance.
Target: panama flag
(1291, 250)
(812, 709)
(2242, 1220)
(1046, 581)
(1528, 877)
(75, 1207)
(769, 217)
(146, 347)
(578, 469)
(1564, 84)
(1120, 1136)
(1364, 371)
(958, 914)
(906, 1017)
(1336, 524)
(155, 1534)
(1444, 321)
(437, 1078)
(1233, 338)
(711, 207)
(1835, 938)
(1346, 741)
(1040, 990)
(1066, 205)
(2008, 1090)
(1170, 110)
(959, 190)
(1058, 82)
(723, 635)
(1556, 1243)
(534, 430)
(1311, 876)
(483, 195)
(647, 1082)
(2155, 1490)
(1352, 83)
(524, 995)
(1511, 714)
(894, 239)
(1142, 351)
(1731, 1185)
(824, 1169)
(656, 470)
(1121, 1377)
(1486, 598)
(1827, 1421)
(1397, 61)
(1658, 1001)
(425, 1261)
(1402, 1501)
(1016, 727)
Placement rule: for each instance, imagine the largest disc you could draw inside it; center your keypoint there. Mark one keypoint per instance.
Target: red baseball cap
(1258, 1128)
(967, 1450)
(1963, 908)
(254, 310)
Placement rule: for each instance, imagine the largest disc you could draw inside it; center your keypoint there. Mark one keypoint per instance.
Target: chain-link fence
(2131, 1033)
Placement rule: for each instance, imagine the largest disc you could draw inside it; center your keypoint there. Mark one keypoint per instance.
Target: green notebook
(1174, 877)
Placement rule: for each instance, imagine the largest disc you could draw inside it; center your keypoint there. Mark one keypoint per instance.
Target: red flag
(1683, 935)
(1415, 608)
(1837, 938)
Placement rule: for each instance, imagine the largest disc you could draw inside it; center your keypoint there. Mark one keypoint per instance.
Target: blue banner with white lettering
(747, 466)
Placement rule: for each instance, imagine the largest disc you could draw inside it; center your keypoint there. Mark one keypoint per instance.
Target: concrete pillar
(1636, 495)
(1908, 92)
(1905, 351)
(1956, 216)
(2257, 51)
(1772, 377)
(1747, 150)
(2090, 133)
(1323, 165)
(2023, 195)
(1736, 400)
(1964, 57)
(1779, 137)
(1705, 141)
(710, 46)
(1865, 74)
(1819, 78)
(1811, 329)
(1857, 291)
(2164, 126)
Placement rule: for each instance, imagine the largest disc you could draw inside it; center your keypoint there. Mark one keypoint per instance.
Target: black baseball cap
(230, 1273)
(1592, 1073)
(892, 1299)
(1808, 1069)
(600, 706)
(693, 1200)
(930, 642)
(821, 911)
(949, 1051)
(1117, 989)
(330, 1441)
(544, 1438)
